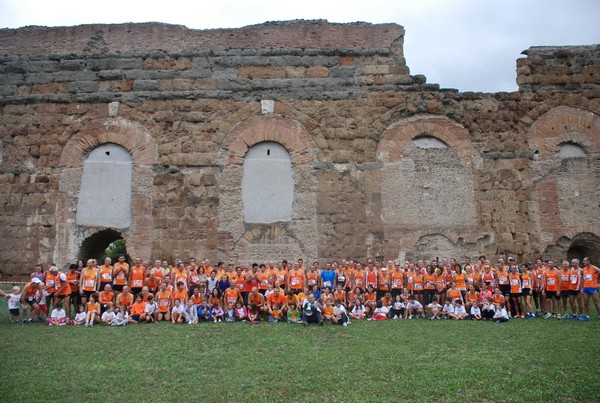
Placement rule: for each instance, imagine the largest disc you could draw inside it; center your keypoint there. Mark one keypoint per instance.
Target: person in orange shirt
(257, 299)
(120, 274)
(137, 309)
(180, 293)
(551, 289)
(276, 297)
(359, 277)
(125, 298)
(528, 282)
(538, 297)
(340, 294)
(590, 287)
(575, 289)
(73, 279)
(90, 276)
(397, 279)
(296, 280)
(137, 276)
(163, 298)
(516, 291)
(565, 275)
(93, 311)
(265, 279)
(106, 273)
(472, 298)
(106, 298)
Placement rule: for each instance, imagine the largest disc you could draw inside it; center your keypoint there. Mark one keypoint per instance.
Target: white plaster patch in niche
(105, 194)
(429, 142)
(570, 150)
(267, 184)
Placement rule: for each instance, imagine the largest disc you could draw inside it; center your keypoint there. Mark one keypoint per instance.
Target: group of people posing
(118, 294)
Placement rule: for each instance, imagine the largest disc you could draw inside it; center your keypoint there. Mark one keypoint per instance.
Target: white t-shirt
(398, 305)
(150, 307)
(178, 309)
(58, 314)
(460, 309)
(434, 306)
(106, 316)
(475, 310)
(383, 310)
(501, 314)
(415, 305)
(80, 317)
(13, 301)
(358, 309)
(339, 310)
(449, 308)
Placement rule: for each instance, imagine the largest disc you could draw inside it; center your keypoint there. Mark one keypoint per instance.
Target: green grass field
(523, 360)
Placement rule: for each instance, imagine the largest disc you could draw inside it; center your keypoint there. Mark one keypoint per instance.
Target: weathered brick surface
(186, 104)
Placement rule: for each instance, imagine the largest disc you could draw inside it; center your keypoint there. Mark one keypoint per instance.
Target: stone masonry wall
(187, 105)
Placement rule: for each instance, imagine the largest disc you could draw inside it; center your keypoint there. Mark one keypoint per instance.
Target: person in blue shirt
(204, 311)
(328, 277)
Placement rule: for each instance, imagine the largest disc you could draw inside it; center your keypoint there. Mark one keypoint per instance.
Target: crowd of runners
(340, 292)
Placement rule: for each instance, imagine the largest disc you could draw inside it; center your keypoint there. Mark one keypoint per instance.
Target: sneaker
(219, 321)
(321, 323)
(410, 317)
(558, 316)
(395, 317)
(345, 324)
(548, 316)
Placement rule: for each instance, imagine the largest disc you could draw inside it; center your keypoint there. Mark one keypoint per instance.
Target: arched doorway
(94, 246)
(584, 244)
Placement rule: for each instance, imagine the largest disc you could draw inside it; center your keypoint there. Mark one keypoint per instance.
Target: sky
(470, 45)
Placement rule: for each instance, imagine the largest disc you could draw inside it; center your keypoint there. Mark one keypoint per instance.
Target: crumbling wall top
(146, 37)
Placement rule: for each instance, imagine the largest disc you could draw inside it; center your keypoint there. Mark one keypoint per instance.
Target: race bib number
(551, 281)
(588, 277)
(50, 283)
(195, 279)
(121, 275)
(525, 283)
(164, 302)
(137, 283)
(573, 279)
(327, 284)
(106, 276)
(265, 282)
(514, 282)
(89, 283)
(410, 279)
(310, 281)
(397, 283)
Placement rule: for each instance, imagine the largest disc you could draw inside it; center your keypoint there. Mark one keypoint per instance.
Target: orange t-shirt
(163, 301)
(515, 283)
(120, 270)
(89, 279)
(397, 280)
(279, 299)
(296, 280)
(137, 277)
(106, 273)
(138, 308)
(590, 277)
(454, 294)
(92, 307)
(551, 280)
(105, 297)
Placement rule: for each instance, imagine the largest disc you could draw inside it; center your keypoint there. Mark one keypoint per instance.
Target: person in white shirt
(413, 307)
(475, 312)
(448, 309)
(397, 309)
(380, 312)
(501, 314)
(358, 312)
(80, 316)
(149, 310)
(108, 316)
(434, 309)
(488, 310)
(13, 304)
(340, 317)
(122, 317)
(58, 317)
(178, 312)
(460, 313)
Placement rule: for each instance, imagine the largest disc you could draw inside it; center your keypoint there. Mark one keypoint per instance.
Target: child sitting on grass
(276, 313)
(328, 310)
(293, 314)
(230, 314)
(397, 309)
(340, 316)
(108, 316)
(178, 312)
(79, 316)
(241, 313)
(218, 313)
(93, 311)
(434, 309)
(475, 312)
(380, 312)
(460, 313)
(122, 317)
(58, 316)
(191, 313)
(488, 310)
(253, 314)
(501, 315)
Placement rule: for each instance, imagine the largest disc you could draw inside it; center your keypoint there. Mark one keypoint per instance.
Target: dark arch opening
(584, 244)
(94, 246)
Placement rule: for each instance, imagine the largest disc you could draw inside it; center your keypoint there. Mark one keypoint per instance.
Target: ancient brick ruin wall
(187, 105)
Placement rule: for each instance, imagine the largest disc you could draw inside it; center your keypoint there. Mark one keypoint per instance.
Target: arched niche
(105, 193)
(267, 184)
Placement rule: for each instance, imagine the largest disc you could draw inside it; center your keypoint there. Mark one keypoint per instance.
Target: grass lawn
(523, 360)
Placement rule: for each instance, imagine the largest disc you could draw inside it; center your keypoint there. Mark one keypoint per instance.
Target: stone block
(146, 85)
